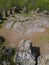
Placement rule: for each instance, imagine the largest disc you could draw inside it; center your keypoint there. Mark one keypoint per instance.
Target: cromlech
(24, 32)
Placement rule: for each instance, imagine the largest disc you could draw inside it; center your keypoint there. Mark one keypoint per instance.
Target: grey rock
(18, 27)
(37, 10)
(25, 9)
(21, 18)
(27, 25)
(46, 12)
(43, 22)
(23, 54)
(4, 14)
(8, 12)
(7, 52)
(14, 10)
(7, 62)
(43, 60)
(9, 23)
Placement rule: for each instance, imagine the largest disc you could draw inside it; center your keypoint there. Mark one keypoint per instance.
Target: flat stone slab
(23, 24)
(9, 23)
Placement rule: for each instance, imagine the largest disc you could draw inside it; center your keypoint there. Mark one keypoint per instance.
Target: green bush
(30, 4)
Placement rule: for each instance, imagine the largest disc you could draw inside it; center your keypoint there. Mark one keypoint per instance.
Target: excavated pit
(35, 52)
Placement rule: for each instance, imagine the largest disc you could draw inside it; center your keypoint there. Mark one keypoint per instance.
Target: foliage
(30, 4)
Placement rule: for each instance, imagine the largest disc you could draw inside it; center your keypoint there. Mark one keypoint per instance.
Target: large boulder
(23, 54)
(25, 10)
(46, 12)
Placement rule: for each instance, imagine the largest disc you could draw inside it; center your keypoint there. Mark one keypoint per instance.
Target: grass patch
(40, 38)
(26, 14)
(1, 24)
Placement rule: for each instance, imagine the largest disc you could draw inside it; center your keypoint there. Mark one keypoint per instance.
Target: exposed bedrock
(26, 54)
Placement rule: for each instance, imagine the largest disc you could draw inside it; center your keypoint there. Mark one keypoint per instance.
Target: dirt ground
(38, 39)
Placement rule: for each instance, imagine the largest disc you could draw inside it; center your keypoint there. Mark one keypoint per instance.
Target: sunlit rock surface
(23, 54)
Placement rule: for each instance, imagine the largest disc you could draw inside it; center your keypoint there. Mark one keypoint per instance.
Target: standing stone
(23, 54)
(5, 13)
(11, 11)
(0, 17)
(8, 12)
(46, 12)
(25, 10)
(37, 10)
(14, 10)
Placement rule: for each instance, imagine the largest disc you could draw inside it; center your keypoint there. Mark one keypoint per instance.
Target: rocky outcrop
(43, 60)
(9, 23)
(23, 54)
(26, 24)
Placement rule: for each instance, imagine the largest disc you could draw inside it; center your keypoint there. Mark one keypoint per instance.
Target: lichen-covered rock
(9, 23)
(46, 12)
(7, 52)
(43, 60)
(23, 54)
(7, 62)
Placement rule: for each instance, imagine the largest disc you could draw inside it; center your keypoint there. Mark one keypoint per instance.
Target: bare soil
(38, 39)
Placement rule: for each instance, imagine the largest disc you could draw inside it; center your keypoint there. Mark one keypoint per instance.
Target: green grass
(26, 14)
(3, 22)
(40, 38)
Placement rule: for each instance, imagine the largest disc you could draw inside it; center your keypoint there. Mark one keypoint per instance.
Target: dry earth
(39, 39)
